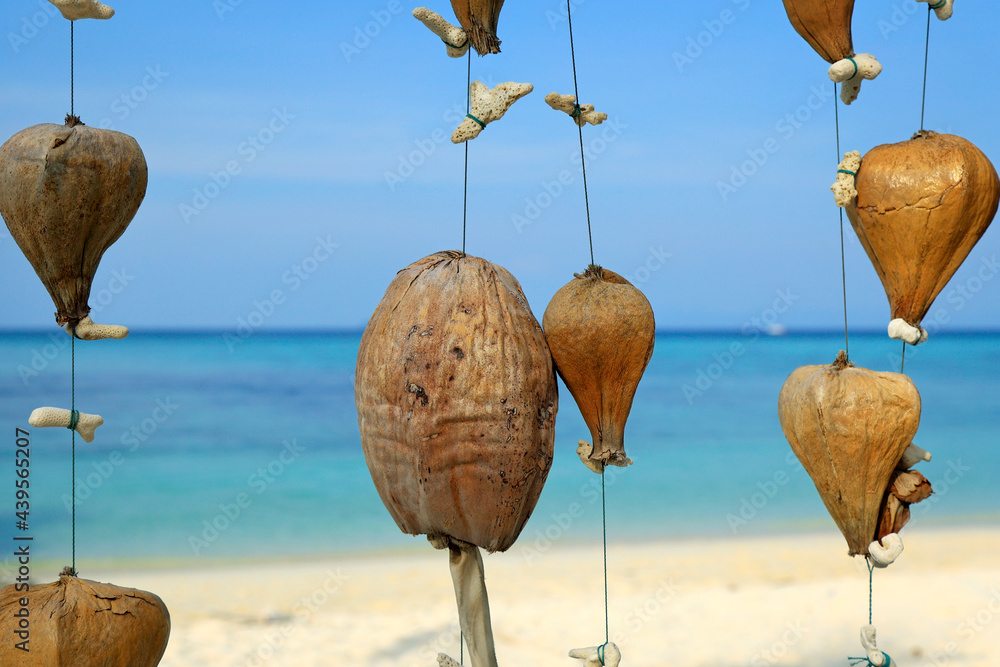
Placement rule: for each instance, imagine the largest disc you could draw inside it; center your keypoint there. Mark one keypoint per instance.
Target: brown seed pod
(456, 399)
(922, 205)
(825, 24)
(67, 192)
(849, 427)
(478, 19)
(82, 623)
(601, 332)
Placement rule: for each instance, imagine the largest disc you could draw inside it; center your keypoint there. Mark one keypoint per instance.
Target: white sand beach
(792, 600)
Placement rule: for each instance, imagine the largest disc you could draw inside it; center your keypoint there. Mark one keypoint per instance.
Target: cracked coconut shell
(601, 332)
(456, 399)
(84, 624)
(67, 192)
(478, 19)
(922, 205)
(849, 427)
(825, 25)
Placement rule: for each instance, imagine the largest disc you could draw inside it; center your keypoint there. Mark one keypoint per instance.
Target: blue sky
(334, 117)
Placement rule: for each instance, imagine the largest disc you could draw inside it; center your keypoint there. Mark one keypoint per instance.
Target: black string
(843, 261)
(604, 526)
(72, 486)
(902, 360)
(583, 160)
(72, 74)
(871, 570)
(927, 45)
(468, 109)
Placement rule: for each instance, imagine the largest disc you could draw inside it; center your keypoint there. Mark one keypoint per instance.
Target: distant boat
(776, 329)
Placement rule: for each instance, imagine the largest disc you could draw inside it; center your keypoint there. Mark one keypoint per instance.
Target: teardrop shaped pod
(922, 205)
(849, 428)
(601, 331)
(67, 192)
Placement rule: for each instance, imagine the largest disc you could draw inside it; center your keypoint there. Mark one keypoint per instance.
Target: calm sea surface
(220, 449)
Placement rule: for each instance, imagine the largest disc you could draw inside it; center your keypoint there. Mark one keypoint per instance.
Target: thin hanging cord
(871, 569)
(843, 261)
(604, 529)
(461, 643)
(927, 46)
(72, 73)
(902, 359)
(583, 159)
(468, 109)
(72, 403)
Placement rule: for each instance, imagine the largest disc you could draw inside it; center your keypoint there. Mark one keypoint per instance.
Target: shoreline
(791, 600)
(419, 547)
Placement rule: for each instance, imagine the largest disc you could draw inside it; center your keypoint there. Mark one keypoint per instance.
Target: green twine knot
(868, 663)
(855, 68)
(481, 123)
(937, 6)
(600, 649)
(462, 45)
(74, 419)
(847, 171)
(576, 111)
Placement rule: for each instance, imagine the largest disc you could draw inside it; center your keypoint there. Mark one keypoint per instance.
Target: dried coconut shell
(67, 192)
(825, 25)
(849, 428)
(601, 331)
(922, 205)
(84, 623)
(479, 19)
(456, 399)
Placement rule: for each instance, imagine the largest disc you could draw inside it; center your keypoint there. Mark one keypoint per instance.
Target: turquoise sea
(217, 447)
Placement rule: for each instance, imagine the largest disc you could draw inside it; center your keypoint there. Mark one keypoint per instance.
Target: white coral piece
(88, 329)
(488, 105)
(942, 8)
(74, 10)
(900, 329)
(591, 655)
(850, 72)
(885, 553)
(875, 656)
(62, 418)
(454, 38)
(844, 188)
(581, 115)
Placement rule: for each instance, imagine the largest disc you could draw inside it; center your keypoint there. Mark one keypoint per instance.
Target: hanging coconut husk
(849, 428)
(67, 192)
(479, 21)
(601, 331)
(456, 399)
(825, 25)
(921, 206)
(82, 623)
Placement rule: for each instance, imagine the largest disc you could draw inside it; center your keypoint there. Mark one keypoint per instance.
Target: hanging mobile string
(72, 73)
(927, 46)
(468, 110)
(74, 416)
(576, 113)
(590, 238)
(843, 261)
(604, 531)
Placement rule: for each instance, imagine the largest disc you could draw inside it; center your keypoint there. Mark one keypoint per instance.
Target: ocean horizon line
(357, 331)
